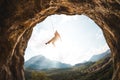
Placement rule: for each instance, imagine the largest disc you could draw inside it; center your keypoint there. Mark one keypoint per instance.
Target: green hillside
(100, 70)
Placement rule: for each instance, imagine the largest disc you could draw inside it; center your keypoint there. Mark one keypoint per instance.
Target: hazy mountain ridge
(40, 62)
(95, 58)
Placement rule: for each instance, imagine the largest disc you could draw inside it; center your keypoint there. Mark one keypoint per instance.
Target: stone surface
(18, 17)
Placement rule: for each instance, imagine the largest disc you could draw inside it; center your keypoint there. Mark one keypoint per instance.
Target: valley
(101, 69)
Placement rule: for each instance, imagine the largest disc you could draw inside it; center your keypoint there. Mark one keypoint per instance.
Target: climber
(54, 39)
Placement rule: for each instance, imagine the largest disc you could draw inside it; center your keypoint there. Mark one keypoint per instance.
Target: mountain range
(40, 62)
(95, 58)
(101, 69)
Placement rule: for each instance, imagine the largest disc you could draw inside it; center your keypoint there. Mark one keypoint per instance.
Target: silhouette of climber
(54, 39)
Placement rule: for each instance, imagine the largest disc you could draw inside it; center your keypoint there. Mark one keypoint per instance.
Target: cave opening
(80, 41)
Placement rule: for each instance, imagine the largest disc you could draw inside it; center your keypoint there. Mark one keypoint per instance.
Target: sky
(81, 38)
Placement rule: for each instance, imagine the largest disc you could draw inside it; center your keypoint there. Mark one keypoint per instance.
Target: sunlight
(80, 39)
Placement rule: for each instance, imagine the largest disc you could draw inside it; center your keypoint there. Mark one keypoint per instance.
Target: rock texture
(18, 17)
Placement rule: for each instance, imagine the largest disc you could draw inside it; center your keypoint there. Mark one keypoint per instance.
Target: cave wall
(18, 17)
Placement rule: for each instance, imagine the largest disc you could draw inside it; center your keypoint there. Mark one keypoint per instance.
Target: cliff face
(19, 17)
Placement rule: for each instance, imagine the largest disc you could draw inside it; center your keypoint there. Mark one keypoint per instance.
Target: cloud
(96, 51)
(65, 19)
(99, 34)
